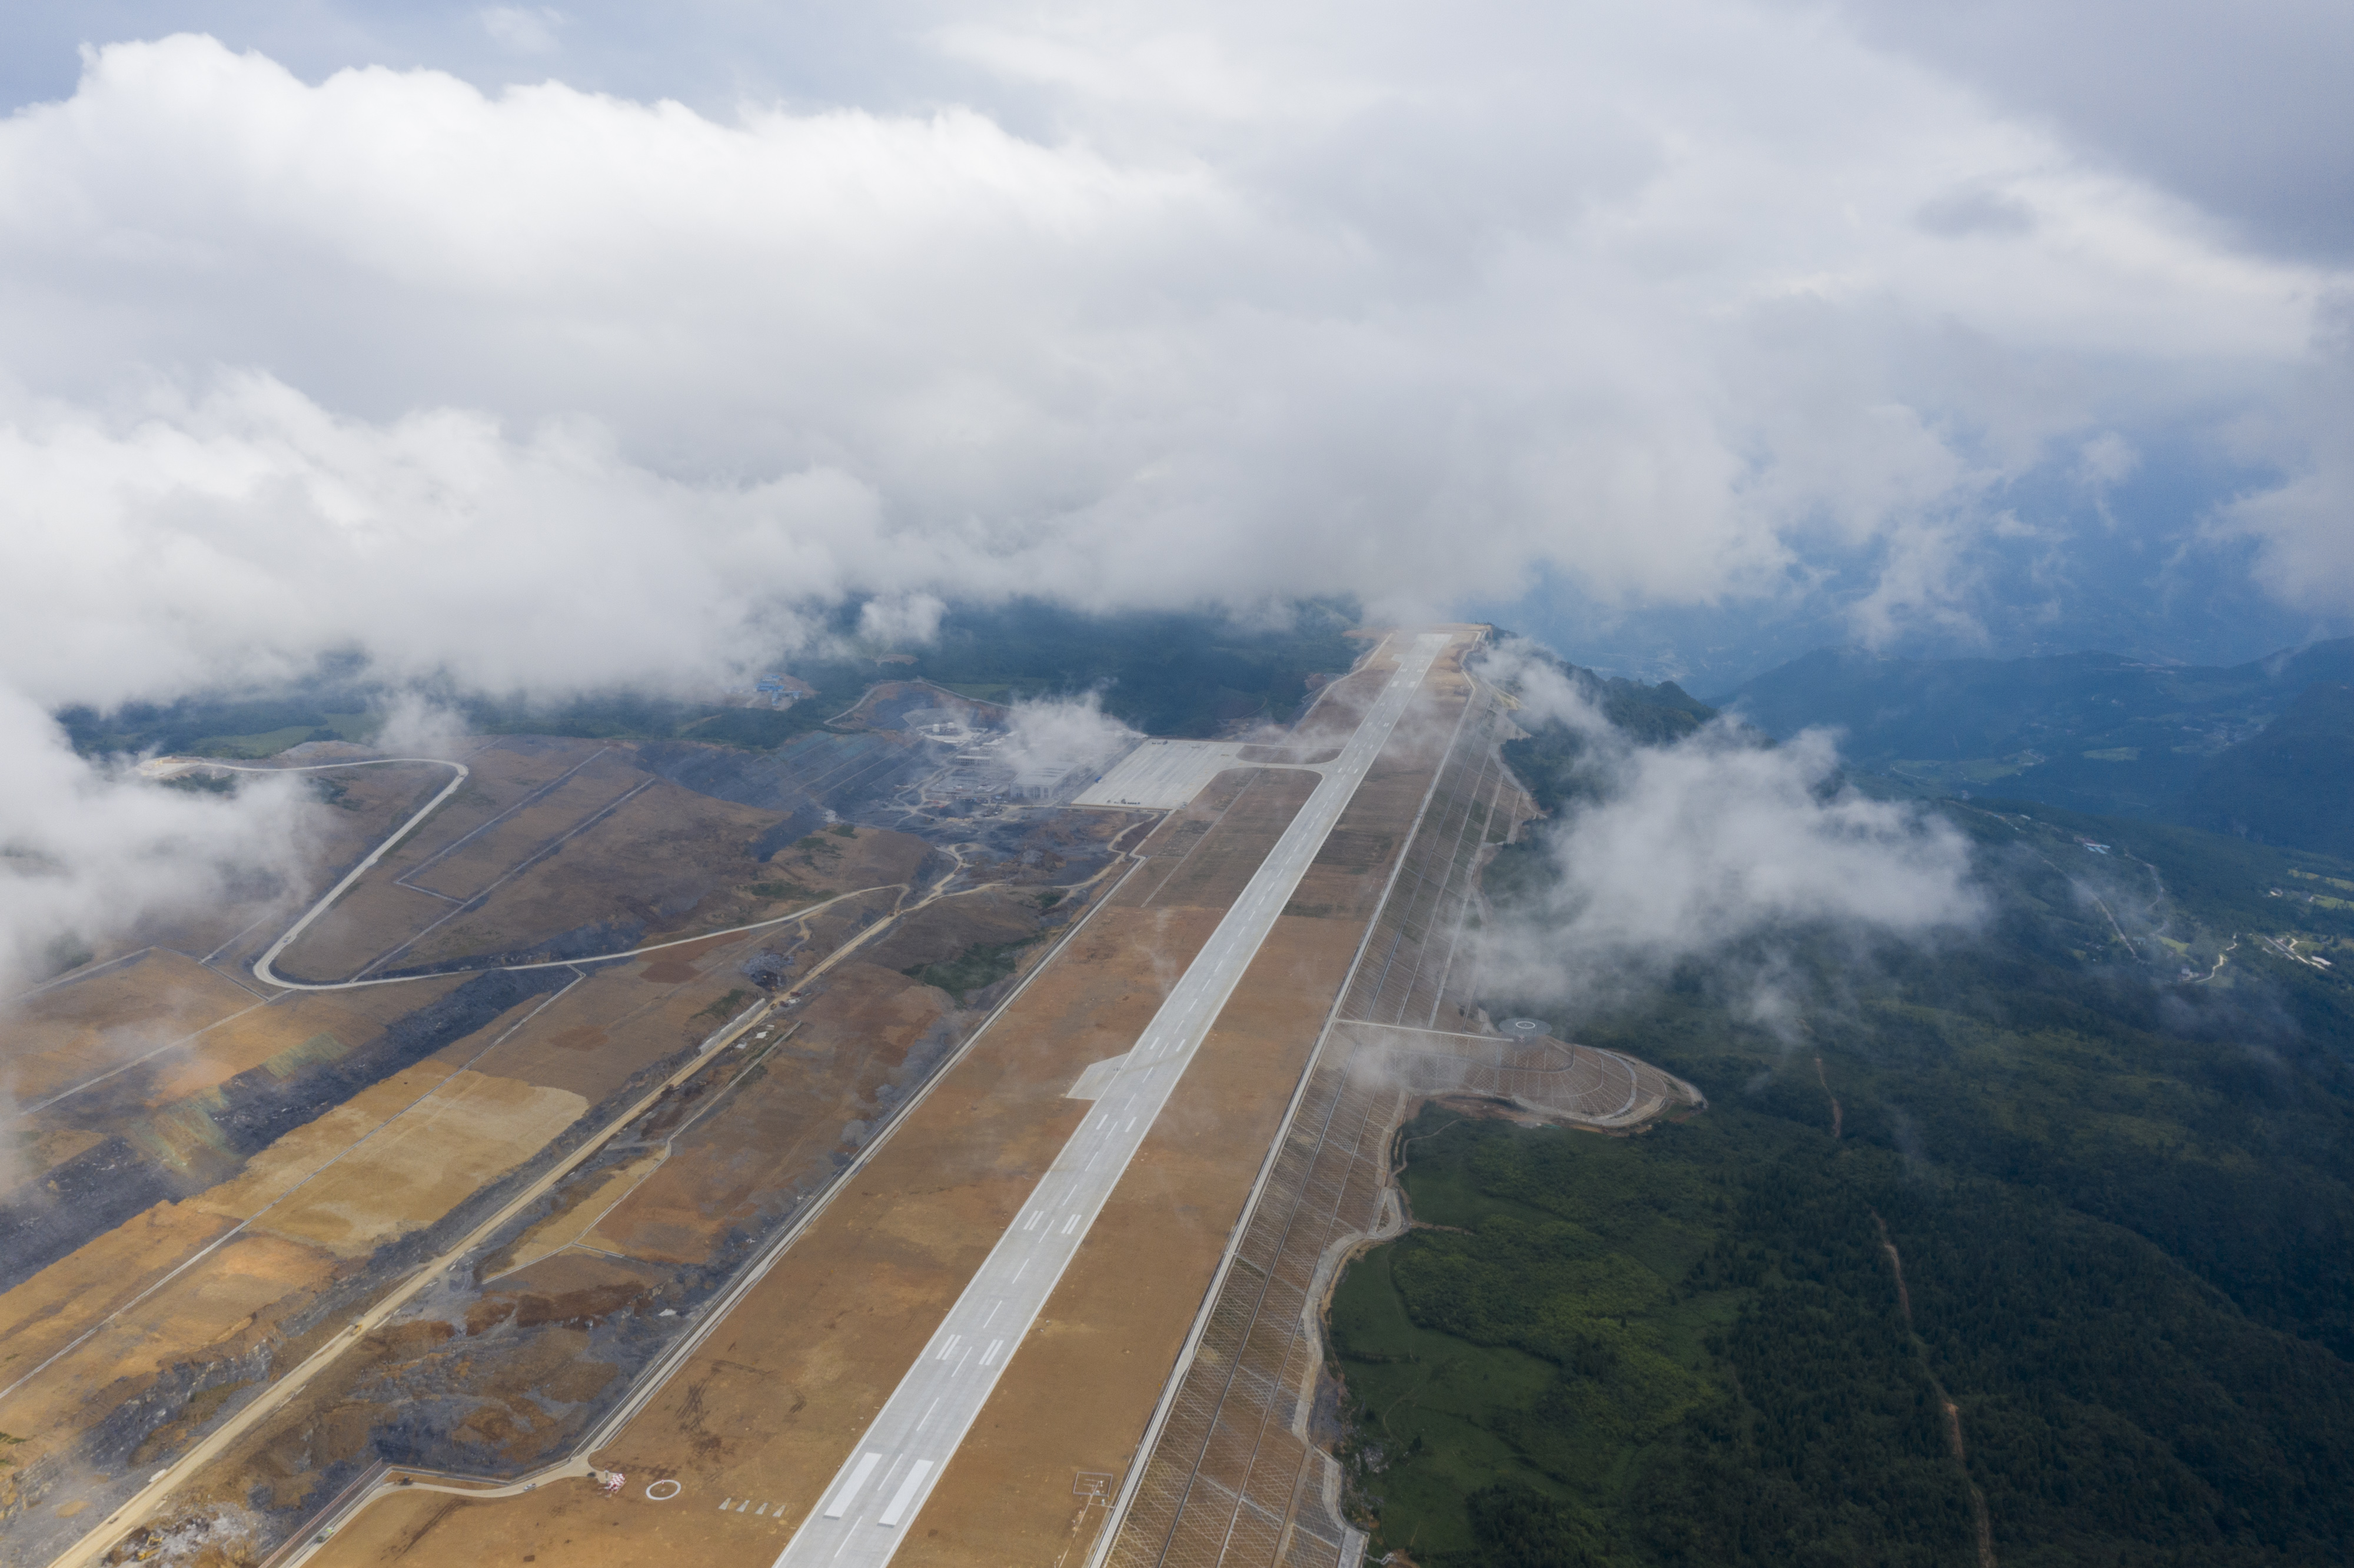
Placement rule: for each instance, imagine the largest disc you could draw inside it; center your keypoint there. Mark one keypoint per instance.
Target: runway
(868, 1508)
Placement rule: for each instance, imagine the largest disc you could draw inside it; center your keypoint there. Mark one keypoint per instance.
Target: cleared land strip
(95, 1545)
(261, 966)
(476, 899)
(1156, 1500)
(1235, 1479)
(381, 1481)
(530, 799)
(882, 1485)
(1229, 1476)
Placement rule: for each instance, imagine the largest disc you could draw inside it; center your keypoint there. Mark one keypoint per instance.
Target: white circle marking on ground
(653, 1495)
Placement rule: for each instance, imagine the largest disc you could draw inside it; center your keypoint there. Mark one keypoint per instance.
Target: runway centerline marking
(1149, 1075)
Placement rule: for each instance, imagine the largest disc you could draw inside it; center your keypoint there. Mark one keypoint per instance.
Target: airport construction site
(653, 1111)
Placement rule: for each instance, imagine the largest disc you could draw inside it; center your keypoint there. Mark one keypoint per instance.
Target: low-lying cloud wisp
(87, 852)
(1046, 737)
(1699, 848)
(542, 389)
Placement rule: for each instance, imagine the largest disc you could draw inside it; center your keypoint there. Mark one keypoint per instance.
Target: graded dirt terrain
(755, 1422)
(155, 1003)
(262, 1166)
(565, 849)
(701, 1176)
(324, 1145)
(761, 1411)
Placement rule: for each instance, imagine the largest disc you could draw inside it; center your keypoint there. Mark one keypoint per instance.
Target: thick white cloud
(1696, 848)
(541, 386)
(84, 855)
(238, 534)
(1046, 737)
(1378, 309)
(2304, 527)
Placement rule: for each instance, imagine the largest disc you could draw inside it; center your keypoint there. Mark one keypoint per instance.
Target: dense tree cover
(2290, 784)
(1552, 761)
(328, 709)
(2248, 748)
(1166, 673)
(2110, 1137)
(1553, 1383)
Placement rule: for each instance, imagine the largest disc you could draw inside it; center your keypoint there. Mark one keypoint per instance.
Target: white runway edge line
(863, 1514)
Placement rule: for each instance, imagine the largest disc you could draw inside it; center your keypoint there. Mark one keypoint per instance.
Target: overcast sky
(548, 346)
(542, 347)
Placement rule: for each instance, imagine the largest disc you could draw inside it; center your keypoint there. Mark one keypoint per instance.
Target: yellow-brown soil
(663, 848)
(781, 1121)
(471, 864)
(41, 1316)
(379, 913)
(1014, 1492)
(44, 1313)
(398, 1156)
(943, 930)
(1114, 1324)
(581, 1209)
(368, 803)
(767, 1405)
(325, 1196)
(63, 1036)
(772, 1134)
(215, 1313)
(467, 1132)
(292, 1029)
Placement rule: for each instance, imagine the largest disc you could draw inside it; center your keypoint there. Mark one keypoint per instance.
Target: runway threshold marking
(841, 1498)
(1088, 1167)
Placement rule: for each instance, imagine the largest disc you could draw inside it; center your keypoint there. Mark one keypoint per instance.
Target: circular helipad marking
(1526, 1028)
(654, 1492)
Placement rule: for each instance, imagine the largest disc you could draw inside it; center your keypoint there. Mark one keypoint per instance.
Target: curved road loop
(262, 966)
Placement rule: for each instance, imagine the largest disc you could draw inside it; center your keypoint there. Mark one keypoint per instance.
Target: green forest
(2109, 1143)
(1165, 672)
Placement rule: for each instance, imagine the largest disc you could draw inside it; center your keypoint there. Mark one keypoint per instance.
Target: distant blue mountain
(2293, 783)
(2238, 747)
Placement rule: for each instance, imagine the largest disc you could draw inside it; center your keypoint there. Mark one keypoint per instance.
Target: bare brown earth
(275, 1249)
(337, 817)
(60, 1038)
(162, 1110)
(721, 1161)
(569, 840)
(766, 1409)
(1074, 1402)
(381, 913)
(1028, 1483)
(502, 1365)
(157, 993)
(685, 858)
